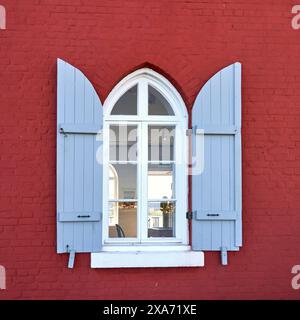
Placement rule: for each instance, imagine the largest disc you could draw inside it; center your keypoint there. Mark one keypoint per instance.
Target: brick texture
(188, 41)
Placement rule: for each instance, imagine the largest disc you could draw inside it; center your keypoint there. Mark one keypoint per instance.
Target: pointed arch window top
(144, 93)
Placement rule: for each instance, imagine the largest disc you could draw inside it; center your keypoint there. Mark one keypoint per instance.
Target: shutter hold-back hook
(71, 257)
(62, 131)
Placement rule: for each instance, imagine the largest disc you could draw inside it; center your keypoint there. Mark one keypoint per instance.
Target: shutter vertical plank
(238, 153)
(216, 191)
(79, 163)
(89, 191)
(227, 200)
(226, 119)
(60, 162)
(215, 160)
(69, 183)
(206, 184)
(88, 182)
(218, 188)
(215, 100)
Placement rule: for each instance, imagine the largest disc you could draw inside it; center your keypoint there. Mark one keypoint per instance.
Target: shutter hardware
(224, 257)
(71, 257)
(189, 215)
(62, 131)
(191, 131)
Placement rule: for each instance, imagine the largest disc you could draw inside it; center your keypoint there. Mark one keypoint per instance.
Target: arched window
(145, 151)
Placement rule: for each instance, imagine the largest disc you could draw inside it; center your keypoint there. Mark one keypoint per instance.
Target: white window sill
(152, 257)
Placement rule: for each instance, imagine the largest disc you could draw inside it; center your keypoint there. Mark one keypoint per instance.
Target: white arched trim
(147, 76)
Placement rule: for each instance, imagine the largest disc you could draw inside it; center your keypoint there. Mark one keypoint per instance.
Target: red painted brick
(188, 41)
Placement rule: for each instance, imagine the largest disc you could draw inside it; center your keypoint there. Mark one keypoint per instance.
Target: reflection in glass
(161, 219)
(122, 181)
(158, 105)
(127, 104)
(123, 219)
(160, 181)
(161, 143)
(123, 143)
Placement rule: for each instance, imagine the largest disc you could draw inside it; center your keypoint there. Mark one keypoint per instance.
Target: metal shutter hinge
(189, 132)
(189, 215)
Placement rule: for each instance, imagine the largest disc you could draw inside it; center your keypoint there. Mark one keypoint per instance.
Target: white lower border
(147, 259)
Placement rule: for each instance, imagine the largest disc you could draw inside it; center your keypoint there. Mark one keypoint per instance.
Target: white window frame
(116, 186)
(143, 78)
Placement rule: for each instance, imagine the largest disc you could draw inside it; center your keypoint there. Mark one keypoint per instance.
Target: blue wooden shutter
(217, 190)
(79, 174)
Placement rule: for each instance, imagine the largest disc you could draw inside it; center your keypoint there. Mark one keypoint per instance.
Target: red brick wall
(189, 41)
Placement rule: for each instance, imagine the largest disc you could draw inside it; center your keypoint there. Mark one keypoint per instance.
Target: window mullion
(105, 181)
(140, 180)
(143, 99)
(144, 181)
(143, 156)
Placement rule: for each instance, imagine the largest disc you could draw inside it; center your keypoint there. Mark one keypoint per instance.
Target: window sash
(142, 176)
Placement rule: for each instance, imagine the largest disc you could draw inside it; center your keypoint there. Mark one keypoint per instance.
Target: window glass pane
(113, 183)
(160, 181)
(123, 143)
(161, 143)
(127, 104)
(157, 104)
(161, 219)
(122, 220)
(122, 181)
